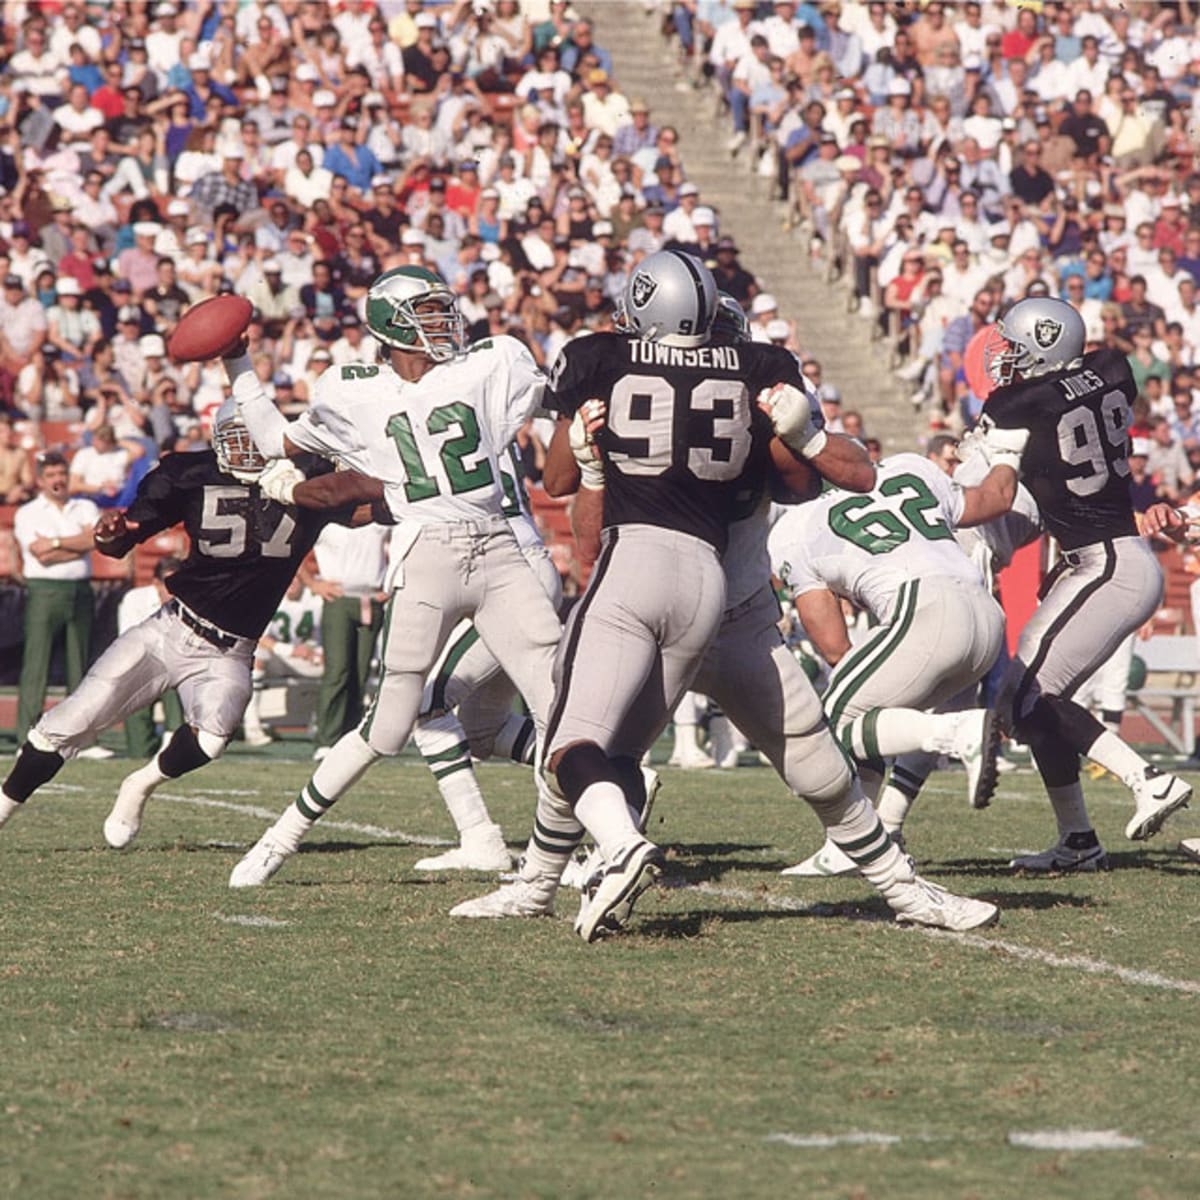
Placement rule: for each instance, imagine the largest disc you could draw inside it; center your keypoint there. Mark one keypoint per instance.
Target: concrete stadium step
(645, 66)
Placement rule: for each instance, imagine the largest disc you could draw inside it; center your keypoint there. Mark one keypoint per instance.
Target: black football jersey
(684, 444)
(245, 549)
(1076, 462)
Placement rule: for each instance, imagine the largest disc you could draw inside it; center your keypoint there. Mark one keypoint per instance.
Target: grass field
(336, 1035)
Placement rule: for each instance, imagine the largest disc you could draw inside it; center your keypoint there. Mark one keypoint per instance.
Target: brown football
(209, 327)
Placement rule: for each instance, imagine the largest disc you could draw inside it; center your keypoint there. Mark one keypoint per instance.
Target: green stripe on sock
(313, 814)
(870, 735)
(868, 858)
(440, 773)
(457, 751)
(851, 848)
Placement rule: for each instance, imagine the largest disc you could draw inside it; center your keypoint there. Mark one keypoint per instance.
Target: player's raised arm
(994, 496)
(798, 424)
(267, 425)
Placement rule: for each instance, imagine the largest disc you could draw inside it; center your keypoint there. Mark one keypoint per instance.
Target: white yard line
(1069, 962)
(1036, 1139)
(1074, 1139)
(253, 922)
(269, 814)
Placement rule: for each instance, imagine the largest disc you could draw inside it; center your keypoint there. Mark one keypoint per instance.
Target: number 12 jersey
(684, 444)
(1076, 462)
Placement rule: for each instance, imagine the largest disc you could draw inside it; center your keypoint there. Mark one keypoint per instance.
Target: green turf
(365, 1045)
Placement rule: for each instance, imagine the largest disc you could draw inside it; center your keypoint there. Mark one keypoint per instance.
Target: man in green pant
(351, 566)
(54, 532)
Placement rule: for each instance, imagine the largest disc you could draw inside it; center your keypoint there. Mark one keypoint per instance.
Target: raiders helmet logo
(1046, 332)
(643, 287)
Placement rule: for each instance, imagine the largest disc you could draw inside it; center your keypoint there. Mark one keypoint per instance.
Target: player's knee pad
(35, 765)
(1061, 720)
(578, 767)
(1056, 761)
(816, 767)
(186, 752)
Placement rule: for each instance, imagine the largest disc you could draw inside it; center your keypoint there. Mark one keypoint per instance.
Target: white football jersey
(434, 444)
(864, 546)
(297, 620)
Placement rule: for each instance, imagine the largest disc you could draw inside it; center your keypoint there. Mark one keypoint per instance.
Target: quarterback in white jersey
(892, 552)
(429, 425)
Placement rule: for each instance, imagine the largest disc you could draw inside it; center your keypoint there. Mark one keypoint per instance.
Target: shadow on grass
(1168, 862)
(691, 925)
(708, 862)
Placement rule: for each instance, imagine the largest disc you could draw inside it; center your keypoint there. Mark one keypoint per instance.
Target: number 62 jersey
(866, 546)
(1076, 462)
(684, 443)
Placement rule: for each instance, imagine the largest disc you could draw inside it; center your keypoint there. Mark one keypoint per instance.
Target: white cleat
(95, 753)
(1063, 859)
(257, 738)
(977, 745)
(261, 861)
(608, 907)
(580, 871)
(1191, 848)
(829, 860)
(692, 759)
(125, 820)
(482, 849)
(918, 902)
(1156, 797)
(532, 897)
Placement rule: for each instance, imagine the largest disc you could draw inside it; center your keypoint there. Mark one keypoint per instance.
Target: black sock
(32, 768)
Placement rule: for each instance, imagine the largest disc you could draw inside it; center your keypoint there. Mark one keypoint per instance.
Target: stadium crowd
(947, 158)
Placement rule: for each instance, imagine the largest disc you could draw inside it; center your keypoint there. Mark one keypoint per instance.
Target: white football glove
(280, 479)
(583, 447)
(1004, 447)
(792, 417)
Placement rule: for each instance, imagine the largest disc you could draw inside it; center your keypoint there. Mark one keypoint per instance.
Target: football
(209, 327)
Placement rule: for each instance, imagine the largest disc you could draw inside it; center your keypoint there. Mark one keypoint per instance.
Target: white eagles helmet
(237, 455)
(412, 308)
(671, 297)
(1040, 335)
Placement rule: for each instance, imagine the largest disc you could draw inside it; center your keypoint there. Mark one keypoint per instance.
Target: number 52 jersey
(435, 443)
(684, 443)
(864, 546)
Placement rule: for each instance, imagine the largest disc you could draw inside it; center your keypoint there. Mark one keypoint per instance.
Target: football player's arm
(587, 520)
(845, 463)
(820, 612)
(157, 506)
(337, 489)
(573, 459)
(1165, 520)
(267, 425)
(992, 498)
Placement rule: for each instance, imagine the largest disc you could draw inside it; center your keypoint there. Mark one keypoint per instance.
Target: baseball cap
(20, 229)
(778, 330)
(1170, 200)
(324, 98)
(321, 354)
(594, 283)
(1139, 448)
(764, 302)
(727, 243)
(178, 208)
(272, 266)
(830, 393)
(489, 194)
(122, 285)
(999, 229)
(14, 281)
(899, 87)
(373, 100)
(437, 185)
(426, 21)
(146, 229)
(597, 75)
(638, 105)
(67, 285)
(282, 380)
(602, 229)
(102, 266)
(195, 235)
(703, 215)
(412, 237)
(1008, 123)
(307, 73)
(129, 312)
(846, 162)
(845, 94)
(689, 189)
(152, 346)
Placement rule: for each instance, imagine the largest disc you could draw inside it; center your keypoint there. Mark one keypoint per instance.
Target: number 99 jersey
(684, 443)
(1076, 462)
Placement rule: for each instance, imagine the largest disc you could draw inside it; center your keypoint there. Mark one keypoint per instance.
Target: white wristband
(815, 444)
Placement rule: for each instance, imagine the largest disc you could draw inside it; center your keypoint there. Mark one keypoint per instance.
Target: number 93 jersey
(865, 546)
(1076, 462)
(434, 443)
(684, 443)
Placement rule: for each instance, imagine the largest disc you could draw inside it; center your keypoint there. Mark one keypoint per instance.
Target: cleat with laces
(829, 860)
(976, 745)
(608, 904)
(482, 849)
(1157, 796)
(524, 897)
(916, 901)
(260, 862)
(1063, 858)
(124, 822)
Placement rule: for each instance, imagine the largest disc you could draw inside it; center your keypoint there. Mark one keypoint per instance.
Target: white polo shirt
(43, 518)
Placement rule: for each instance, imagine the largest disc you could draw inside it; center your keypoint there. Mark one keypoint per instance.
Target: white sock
(861, 837)
(603, 812)
(150, 775)
(7, 807)
(291, 827)
(447, 753)
(1119, 758)
(893, 807)
(1069, 809)
(887, 732)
